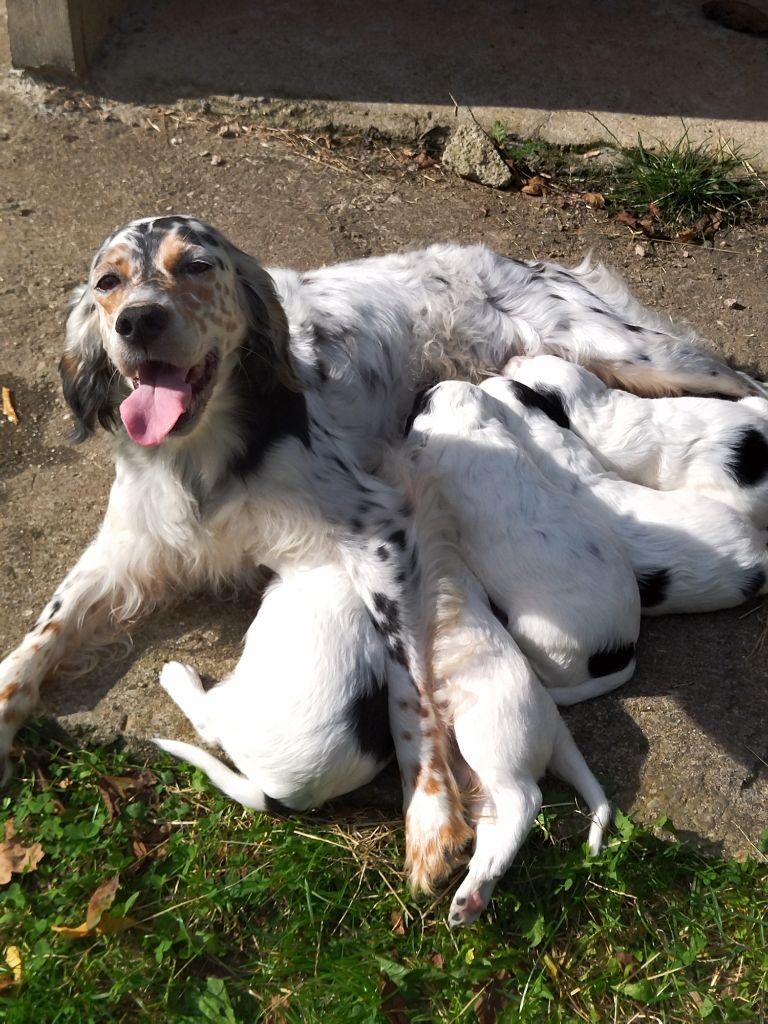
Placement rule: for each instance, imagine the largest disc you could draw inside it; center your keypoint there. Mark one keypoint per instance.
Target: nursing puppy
(509, 733)
(562, 581)
(689, 552)
(304, 715)
(710, 445)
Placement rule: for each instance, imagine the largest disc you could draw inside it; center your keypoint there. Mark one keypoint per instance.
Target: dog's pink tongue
(151, 411)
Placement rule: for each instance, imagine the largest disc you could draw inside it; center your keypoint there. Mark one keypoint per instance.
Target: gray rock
(471, 154)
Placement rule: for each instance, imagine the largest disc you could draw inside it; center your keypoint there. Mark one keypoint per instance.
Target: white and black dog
(710, 445)
(249, 408)
(689, 552)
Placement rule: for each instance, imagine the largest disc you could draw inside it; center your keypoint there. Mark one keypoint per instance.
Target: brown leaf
(15, 973)
(424, 160)
(436, 958)
(534, 186)
(740, 16)
(393, 1005)
(97, 920)
(647, 227)
(15, 857)
(655, 210)
(9, 410)
(397, 921)
(491, 1000)
(594, 199)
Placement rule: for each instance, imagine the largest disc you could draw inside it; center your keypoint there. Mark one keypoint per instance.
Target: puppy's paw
(177, 679)
(467, 905)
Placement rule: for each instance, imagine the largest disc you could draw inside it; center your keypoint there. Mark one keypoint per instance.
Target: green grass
(686, 181)
(243, 918)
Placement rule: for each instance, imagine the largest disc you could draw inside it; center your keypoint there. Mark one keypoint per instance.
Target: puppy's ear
(266, 317)
(86, 372)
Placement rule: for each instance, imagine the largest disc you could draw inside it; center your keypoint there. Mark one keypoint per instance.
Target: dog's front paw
(178, 680)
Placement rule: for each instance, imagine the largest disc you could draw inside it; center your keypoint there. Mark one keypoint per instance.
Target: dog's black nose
(142, 324)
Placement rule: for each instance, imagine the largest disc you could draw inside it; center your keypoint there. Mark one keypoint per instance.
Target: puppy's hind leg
(183, 686)
(503, 824)
(567, 762)
(235, 786)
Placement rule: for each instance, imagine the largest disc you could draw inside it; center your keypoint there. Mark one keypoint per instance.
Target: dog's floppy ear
(86, 372)
(266, 317)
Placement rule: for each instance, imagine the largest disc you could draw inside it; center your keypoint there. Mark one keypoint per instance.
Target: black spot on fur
(421, 403)
(557, 298)
(500, 614)
(322, 371)
(356, 525)
(369, 721)
(635, 328)
(388, 610)
(643, 358)
(398, 538)
(608, 660)
(55, 607)
(594, 550)
(753, 583)
(210, 240)
(269, 412)
(748, 464)
(550, 401)
(382, 553)
(277, 807)
(653, 587)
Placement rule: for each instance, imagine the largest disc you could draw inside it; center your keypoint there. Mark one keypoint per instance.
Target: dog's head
(168, 305)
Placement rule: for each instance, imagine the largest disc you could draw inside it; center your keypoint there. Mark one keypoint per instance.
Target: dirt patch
(686, 737)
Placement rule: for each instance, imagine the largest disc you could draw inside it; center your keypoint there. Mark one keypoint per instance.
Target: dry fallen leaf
(594, 199)
(15, 974)
(15, 857)
(397, 921)
(97, 921)
(533, 187)
(9, 409)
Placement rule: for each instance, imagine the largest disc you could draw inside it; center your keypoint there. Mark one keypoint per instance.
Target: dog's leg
(434, 837)
(377, 544)
(504, 822)
(587, 314)
(183, 686)
(568, 763)
(104, 589)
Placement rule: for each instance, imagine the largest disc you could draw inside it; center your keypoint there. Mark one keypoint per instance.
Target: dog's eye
(107, 282)
(197, 267)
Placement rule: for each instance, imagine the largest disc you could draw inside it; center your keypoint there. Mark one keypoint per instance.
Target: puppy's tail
(569, 764)
(236, 786)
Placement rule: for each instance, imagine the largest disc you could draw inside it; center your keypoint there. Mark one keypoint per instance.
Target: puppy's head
(168, 304)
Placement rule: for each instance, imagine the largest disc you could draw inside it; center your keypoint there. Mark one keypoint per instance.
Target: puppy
(561, 580)
(304, 715)
(689, 552)
(717, 447)
(509, 733)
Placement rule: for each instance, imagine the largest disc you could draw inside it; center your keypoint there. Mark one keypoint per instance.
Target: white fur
(312, 667)
(711, 556)
(563, 580)
(665, 443)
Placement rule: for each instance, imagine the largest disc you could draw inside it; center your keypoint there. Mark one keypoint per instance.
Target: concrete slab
(567, 73)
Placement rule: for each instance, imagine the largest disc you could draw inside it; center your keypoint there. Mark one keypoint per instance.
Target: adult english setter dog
(250, 408)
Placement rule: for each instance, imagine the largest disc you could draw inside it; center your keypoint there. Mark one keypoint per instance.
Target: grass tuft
(687, 182)
(241, 918)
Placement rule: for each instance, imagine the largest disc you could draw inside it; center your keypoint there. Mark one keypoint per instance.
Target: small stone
(217, 160)
(472, 155)
(641, 250)
(734, 304)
